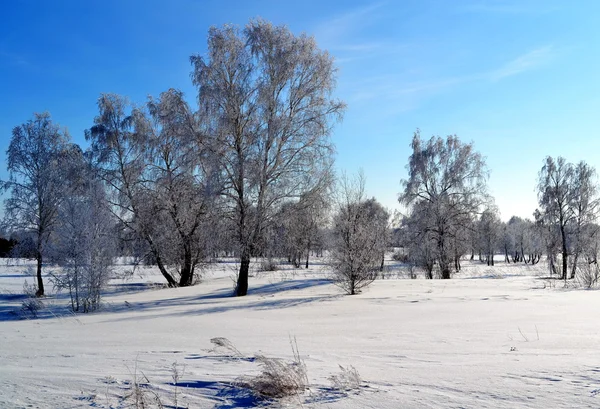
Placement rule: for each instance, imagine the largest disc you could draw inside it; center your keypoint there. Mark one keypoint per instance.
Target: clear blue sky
(520, 79)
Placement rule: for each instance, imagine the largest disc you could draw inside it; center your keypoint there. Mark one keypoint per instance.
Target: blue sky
(520, 79)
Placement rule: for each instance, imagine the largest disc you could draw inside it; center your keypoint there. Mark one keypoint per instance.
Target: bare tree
(359, 237)
(299, 224)
(181, 179)
(555, 197)
(419, 241)
(120, 163)
(585, 202)
(489, 232)
(447, 179)
(267, 95)
(84, 242)
(36, 182)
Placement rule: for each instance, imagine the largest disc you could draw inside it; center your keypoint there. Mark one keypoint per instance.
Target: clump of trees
(569, 204)
(180, 185)
(445, 191)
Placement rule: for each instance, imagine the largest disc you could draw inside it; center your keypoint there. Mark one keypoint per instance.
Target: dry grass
(346, 380)
(278, 378)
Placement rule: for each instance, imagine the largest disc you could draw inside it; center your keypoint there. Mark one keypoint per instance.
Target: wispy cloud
(510, 7)
(341, 25)
(397, 94)
(14, 59)
(526, 62)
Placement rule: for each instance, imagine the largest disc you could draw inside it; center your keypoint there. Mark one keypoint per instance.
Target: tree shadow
(275, 295)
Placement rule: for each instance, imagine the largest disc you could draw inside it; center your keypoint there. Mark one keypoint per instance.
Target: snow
(492, 337)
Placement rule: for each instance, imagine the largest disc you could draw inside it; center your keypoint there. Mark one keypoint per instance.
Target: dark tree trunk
(382, 262)
(40, 282)
(242, 281)
(565, 256)
(163, 270)
(187, 270)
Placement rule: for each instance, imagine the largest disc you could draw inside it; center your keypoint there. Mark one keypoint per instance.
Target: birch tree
(447, 182)
(120, 164)
(36, 182)
(555, 200)
(84, 243)
(359, 238)
(267, 94)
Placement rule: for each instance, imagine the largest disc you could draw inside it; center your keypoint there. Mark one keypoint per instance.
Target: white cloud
(526, 62)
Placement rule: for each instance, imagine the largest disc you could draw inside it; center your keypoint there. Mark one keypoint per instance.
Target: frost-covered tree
(267, 95)
(489, 227)
(36, 182)
(419, 241)
(120, 164)
(84, 241)
(299, 226)
(359, 238)
(154, 161)
(181, 179)
(555, 200)
(447, 184)
(568, 199)
(585, 204)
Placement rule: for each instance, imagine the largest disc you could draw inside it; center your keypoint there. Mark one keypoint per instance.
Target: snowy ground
(497, 337)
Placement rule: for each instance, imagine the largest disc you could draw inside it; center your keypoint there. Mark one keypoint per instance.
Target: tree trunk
(186, 269)
(574, 269)
(170, 280)
(40, 282)
(242, 281)
(565, 256)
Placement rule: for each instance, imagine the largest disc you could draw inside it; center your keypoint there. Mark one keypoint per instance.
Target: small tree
(36, 182)
(489, 231)
(359, 238)
(84, 242)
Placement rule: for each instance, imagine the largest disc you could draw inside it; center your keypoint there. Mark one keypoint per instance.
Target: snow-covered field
(490, 338)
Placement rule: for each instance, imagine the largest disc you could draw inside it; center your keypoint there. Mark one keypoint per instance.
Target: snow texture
(500, 337)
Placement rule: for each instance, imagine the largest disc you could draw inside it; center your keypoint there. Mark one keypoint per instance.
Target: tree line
(451, 214)
(249, 173)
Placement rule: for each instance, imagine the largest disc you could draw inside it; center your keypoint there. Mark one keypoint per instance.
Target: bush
(588, 275)
(268, 264)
